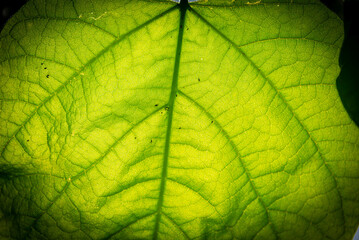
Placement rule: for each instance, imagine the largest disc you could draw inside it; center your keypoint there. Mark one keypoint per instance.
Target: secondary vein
(171, 102)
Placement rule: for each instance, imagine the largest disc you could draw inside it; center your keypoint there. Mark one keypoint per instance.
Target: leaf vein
(101, 53)
(225, 134)
(270, 82)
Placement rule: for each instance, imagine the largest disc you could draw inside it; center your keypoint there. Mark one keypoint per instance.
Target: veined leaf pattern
(149, 119)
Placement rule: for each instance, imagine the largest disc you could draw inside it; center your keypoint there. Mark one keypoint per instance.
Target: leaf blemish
(47, 75)
(156, 105)
(254, 3)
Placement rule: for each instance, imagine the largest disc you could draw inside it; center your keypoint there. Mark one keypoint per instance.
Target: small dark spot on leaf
(176, 94)
(161, 112)
(27, 140)
(187, 29)
(199, 79)
(156, 105)
(151, 141)
(179, 128)
(42, 63)
(166, 108)
(135, 137)
(45, 67)
(212, 121)
(47, 75)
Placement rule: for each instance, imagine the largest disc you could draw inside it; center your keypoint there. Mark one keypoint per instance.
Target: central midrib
(183, 6)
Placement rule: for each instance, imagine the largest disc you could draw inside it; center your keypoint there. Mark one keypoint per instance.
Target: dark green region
(348, 80)
(9, 173)
(183, 7)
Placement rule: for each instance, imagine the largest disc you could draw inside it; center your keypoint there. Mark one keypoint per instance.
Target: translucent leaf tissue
(144, 119)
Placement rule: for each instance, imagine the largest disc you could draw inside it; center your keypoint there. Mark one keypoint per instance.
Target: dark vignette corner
(348, 80)
(8, 8)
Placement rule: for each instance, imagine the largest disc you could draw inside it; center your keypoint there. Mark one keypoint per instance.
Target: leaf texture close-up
(144, 119)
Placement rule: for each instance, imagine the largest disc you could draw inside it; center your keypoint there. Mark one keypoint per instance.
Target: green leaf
(157, 120)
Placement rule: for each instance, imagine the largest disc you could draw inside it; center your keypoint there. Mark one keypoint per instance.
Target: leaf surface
(159, 120)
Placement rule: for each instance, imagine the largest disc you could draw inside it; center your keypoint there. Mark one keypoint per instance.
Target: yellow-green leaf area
(149, 119)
